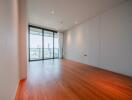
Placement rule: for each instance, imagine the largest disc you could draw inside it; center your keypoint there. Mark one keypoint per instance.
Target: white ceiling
(66, 11)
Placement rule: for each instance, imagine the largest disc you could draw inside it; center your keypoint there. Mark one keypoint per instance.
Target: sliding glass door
(35, 46)
(48, 44)
(56, 46)
(43, 44)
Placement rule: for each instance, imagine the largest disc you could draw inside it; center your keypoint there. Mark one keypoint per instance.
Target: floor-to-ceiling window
(48, 44)
(56, 46)
(43, 43)
(35, 44)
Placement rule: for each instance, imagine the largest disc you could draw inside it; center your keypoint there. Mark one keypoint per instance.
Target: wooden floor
(67, 80)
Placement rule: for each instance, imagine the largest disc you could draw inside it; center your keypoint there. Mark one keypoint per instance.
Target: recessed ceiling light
(52, 12)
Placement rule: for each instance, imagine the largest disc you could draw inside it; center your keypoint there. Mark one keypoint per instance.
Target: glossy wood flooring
(68, 80)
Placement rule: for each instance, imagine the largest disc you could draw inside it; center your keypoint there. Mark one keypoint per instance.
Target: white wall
(9, 66)
(23, 32)
(106, 40)
(13, 46)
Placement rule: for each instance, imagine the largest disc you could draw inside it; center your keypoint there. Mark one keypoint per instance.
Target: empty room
(66, 50)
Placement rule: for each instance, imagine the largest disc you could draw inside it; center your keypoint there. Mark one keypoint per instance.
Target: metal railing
(37, 53)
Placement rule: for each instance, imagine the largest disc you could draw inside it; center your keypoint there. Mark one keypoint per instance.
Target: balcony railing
(37, 53)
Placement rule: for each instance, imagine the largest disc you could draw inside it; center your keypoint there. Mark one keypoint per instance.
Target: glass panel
(48, 44)
(43, 45)
(35, 44)
(56, 45)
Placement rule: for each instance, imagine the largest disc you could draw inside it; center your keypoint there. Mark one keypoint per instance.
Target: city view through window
(43, 44)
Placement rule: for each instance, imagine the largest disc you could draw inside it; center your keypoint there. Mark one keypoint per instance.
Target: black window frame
(43, 29)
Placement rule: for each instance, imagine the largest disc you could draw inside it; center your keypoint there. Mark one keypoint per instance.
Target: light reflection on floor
(43, 70)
